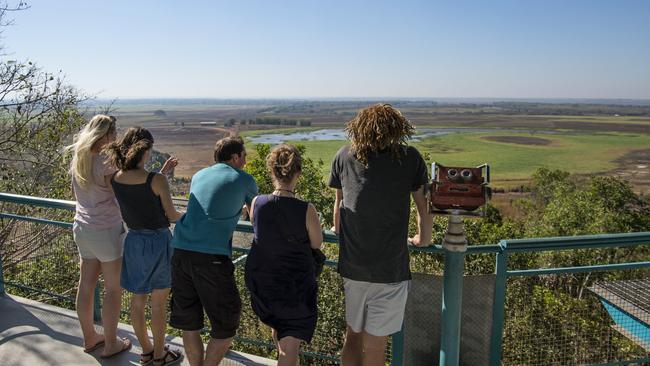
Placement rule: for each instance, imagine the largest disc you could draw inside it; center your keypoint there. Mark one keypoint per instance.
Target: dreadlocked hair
(284, 162)
(378, 128)
(126, 153)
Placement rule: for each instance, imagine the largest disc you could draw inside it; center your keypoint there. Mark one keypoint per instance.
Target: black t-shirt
(375, 213)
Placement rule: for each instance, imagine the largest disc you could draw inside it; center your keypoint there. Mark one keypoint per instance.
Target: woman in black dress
(280, 273)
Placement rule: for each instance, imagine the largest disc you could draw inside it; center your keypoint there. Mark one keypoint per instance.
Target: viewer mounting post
(456, 192)
(454, 246)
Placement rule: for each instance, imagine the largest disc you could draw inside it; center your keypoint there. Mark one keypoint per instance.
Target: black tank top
(140, 207)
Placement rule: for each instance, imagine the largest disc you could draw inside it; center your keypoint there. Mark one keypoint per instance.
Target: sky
(340, 49)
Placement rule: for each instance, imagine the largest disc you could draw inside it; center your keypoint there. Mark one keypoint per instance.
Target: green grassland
(581, 154)
(511, 162)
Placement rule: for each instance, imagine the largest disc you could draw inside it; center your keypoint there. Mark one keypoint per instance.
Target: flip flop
(126, 346)
(96, 346)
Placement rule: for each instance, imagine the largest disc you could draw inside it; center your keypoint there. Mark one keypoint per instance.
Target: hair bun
(284, 162)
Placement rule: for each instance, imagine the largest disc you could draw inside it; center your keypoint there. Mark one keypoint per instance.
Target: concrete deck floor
(34, 334)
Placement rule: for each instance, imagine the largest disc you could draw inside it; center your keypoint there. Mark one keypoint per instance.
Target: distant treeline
(269, 121)
(349, 108)
(572, 109)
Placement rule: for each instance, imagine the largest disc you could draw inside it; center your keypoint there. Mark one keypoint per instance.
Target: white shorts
(376, 308)
(105, 245)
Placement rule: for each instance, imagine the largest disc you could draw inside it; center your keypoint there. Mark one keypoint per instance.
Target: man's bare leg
(352, 354)
(374, 350)
(193, 347)
(216, 351)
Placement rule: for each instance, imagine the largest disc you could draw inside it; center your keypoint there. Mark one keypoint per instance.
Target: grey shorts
(376, 308)
(105, 245)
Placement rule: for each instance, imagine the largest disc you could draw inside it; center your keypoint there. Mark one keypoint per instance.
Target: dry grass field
(608, 144)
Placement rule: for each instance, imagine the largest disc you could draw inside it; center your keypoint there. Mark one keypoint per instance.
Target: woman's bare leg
(288, 348)
(111, 306)
(159, 320)
(138, 305)
(90, 269)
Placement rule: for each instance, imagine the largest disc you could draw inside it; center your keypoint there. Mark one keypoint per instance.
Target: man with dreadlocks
(374, 177)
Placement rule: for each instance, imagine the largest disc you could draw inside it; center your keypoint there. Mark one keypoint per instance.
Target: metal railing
(522, 277)
(26, 222)
(509, 249)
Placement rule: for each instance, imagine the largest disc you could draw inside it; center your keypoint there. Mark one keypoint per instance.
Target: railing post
(455, 246)
(2, 279)
(397, 348)
(498, 307)
(97, 303)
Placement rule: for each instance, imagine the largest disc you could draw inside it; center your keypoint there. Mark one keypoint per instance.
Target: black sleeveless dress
(280, 271)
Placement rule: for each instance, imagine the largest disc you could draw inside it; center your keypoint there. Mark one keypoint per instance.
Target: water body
(339, 134)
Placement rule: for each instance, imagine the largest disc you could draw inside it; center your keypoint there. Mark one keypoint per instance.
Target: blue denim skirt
(146, 262)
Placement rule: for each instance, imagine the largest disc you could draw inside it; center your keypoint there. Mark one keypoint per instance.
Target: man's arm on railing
(336, 214)
(425, 219)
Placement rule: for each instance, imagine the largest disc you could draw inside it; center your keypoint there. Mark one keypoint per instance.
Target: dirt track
(521, 140)
(635, 168)
(193, 146)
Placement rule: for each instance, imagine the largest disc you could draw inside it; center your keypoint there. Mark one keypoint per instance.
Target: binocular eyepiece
(454, 175)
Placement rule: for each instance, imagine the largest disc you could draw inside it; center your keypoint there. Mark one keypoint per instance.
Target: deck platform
(628, 303)
(34, 334)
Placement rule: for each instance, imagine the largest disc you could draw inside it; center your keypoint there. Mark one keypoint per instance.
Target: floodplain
(514, 138)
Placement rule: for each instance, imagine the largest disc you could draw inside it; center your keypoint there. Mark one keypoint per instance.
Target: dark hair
(284, 162)
(376, 128)
(226, 147)
(126, 153)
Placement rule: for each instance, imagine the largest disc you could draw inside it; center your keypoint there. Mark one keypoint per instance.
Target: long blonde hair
(81, 167)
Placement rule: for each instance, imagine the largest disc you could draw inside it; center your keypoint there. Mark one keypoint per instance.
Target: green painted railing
(502, 272)
(242, 227)
(555, 244)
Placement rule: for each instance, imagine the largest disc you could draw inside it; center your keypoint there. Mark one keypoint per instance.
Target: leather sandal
(149, 356)
(171, 357)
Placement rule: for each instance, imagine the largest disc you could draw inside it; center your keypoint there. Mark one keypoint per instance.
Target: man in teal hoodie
(202, 269)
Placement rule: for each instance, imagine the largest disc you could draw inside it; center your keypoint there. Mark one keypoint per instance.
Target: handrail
(242, 226)
(38, 201)
(502, 250)
(576, 242)
(509, 245)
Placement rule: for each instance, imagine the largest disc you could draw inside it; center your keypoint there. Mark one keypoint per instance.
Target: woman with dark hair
(280, 271)
(147, 208)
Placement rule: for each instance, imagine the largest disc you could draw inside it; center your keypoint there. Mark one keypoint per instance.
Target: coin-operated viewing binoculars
(458, 191)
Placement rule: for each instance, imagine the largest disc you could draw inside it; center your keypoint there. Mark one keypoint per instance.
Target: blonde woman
(98, 233)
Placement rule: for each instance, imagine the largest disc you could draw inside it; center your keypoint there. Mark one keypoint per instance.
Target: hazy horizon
(449, 100)
(362, 50)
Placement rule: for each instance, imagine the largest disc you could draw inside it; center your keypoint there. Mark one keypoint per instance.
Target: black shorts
(204, 281)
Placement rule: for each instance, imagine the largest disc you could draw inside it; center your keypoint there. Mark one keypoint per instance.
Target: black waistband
(198, 255)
